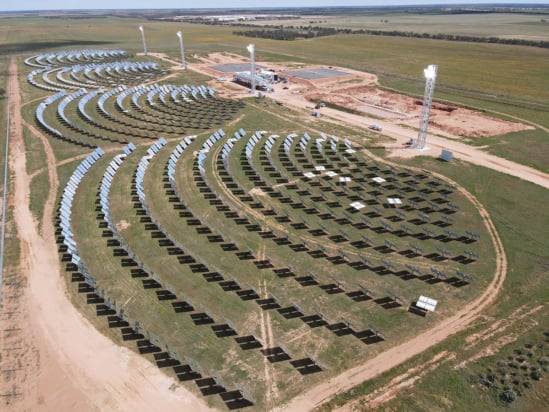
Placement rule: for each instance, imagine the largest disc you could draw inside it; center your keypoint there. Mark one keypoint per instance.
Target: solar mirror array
(99, 99)
(216, 248)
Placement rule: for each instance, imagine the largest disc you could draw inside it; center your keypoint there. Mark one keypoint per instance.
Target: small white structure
(268, 75)
(358, 205)
(246, 77)
(426, 303)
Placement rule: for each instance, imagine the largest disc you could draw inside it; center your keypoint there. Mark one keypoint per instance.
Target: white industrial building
(245, 78)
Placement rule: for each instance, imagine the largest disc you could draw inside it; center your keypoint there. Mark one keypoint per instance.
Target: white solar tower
(180, 35)
(143, 38)
(251, 49)
(430, 78)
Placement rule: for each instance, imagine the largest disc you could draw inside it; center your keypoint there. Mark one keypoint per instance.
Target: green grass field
(467, 77)
(505, 25)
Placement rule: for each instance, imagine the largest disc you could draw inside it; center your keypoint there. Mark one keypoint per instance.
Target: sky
(15, 5)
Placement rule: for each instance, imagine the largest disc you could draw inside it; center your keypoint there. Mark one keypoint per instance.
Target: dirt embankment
(453, 120)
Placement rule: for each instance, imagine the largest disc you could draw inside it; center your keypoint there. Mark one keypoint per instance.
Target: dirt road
(75, 367)
(434, 143)
(443, 140)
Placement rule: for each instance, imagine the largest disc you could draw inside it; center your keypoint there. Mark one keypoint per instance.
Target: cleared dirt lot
(400, 122)
(358, 91)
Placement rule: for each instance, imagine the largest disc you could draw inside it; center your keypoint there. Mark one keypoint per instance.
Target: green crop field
(506, 25)
(238, 274)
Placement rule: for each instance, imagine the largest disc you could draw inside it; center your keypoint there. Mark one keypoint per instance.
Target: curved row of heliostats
(138, 110)
(224, 156)
(69, 57)
(106, 182)
(177, 94)
(86, 68)
(238, 396)
(299, 160)
(289, 146)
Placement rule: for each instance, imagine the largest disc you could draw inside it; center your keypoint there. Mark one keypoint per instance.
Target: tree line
(308, 32)
(289, 33)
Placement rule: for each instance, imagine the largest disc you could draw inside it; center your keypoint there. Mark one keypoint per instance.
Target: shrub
(484, 381)
(503, 371)
(536, 375)
(508, 395)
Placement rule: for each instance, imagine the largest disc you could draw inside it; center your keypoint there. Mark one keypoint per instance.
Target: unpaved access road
(434, 143)
(75, 368)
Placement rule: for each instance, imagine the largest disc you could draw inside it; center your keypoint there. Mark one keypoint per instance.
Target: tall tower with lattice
(430, 78)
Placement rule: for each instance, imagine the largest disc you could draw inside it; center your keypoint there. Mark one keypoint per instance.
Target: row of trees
(288, 34)
(307, 32)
